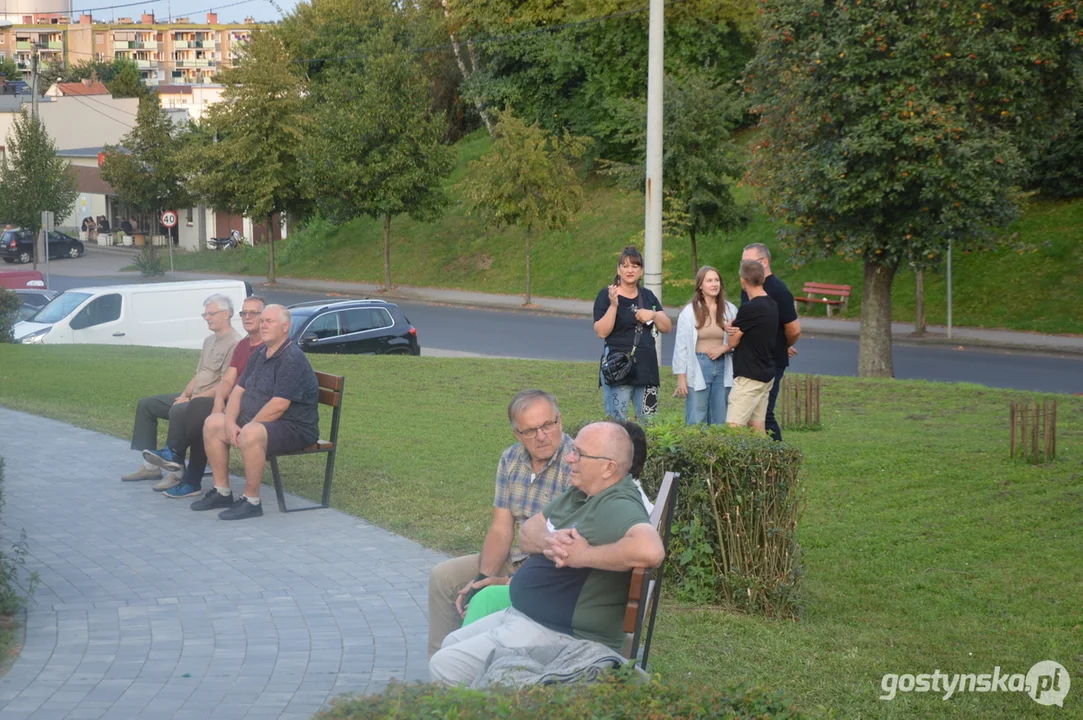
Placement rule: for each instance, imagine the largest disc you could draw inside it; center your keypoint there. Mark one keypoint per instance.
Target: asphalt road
(540, 336)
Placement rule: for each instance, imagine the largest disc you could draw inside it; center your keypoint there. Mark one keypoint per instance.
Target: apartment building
(176, 53)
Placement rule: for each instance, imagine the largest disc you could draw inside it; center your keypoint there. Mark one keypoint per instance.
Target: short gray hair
(618, 446)
(222, 301)
(283, 310)
(524, 399)
(760, 249)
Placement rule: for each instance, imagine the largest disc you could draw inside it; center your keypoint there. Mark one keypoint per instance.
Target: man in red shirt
(199, 409)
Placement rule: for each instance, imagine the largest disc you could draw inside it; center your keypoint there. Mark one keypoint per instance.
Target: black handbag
(617, 366)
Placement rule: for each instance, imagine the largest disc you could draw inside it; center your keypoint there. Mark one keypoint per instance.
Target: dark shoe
(241, 509)
(212, 500)
(183, 490)
(164, 458)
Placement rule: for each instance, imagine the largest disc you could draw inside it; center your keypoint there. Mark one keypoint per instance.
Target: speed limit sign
(169, 218)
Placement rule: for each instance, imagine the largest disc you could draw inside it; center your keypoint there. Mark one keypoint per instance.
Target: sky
(196, 10)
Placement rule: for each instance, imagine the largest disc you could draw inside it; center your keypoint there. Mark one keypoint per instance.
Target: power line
(78, 99)
(135, 4)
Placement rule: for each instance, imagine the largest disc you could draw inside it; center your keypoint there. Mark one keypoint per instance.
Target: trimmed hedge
(614, 698)
(734, 530)
(9, 311)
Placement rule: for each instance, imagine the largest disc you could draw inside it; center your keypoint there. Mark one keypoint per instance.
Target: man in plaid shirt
(530, 474)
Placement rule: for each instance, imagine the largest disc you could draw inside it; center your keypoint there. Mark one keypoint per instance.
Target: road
(540, 336)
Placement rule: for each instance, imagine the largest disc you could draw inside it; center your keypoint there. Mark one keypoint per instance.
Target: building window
(99, 40)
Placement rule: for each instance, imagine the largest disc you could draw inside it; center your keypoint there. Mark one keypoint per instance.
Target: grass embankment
(1037, 291)
(925, 547)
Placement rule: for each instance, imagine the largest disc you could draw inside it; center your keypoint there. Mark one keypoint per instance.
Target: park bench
(330, 395)
(646, 584)
(812, 289)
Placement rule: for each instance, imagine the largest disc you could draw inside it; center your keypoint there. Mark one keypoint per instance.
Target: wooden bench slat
(331, 382)
(815, 288)
(330, 398)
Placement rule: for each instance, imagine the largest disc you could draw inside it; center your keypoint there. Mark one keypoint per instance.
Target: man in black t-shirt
(789, 327)
(752, 335)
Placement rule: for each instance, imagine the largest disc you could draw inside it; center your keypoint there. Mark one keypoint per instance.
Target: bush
(9, 312)
(149, 262)
(1057, 173)
(734, 530)
(13, 595)
(614, 697)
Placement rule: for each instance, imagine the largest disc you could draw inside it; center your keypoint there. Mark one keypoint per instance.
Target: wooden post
(1053, 435)
(1034, 432)
(919, 302)
(1011, 423)
(1023, 430)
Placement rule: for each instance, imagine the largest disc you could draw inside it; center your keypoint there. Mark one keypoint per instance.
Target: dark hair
(699, 300)
(639, 447)
(752, 272)
(631, 252)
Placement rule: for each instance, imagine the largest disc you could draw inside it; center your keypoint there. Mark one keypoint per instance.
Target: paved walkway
(150, 610)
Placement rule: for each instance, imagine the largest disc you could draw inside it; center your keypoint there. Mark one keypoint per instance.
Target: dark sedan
(17, 245)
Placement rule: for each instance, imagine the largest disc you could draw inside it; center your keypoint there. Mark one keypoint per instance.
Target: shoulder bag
(618, 366)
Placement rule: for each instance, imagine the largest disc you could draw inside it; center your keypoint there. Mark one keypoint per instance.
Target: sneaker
(143, 473)
(164, 458)
(241, 510)
(183, 490)
(212, 500)
(170, 480)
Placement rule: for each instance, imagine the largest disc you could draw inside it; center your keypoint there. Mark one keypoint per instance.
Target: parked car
(17, 245)
(353, 327)
(33, 300)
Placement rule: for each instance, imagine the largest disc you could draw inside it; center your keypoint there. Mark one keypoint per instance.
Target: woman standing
(702, 358)
(624, 314)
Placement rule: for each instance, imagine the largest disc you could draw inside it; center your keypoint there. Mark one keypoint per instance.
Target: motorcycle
(233, 240)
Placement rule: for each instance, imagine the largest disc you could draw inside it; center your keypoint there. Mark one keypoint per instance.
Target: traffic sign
(169, 218)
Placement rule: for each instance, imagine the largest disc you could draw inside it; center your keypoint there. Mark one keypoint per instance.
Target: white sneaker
(173, 478)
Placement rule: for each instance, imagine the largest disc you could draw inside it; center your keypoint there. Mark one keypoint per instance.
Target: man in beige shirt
(213, 362)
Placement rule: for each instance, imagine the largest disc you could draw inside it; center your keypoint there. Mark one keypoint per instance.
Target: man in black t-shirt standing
(789, 327)
(752, 335)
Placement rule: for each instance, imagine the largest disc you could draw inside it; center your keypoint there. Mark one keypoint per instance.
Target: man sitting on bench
(273, 410)
(582, 547)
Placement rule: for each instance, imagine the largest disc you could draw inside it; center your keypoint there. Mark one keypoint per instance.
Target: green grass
(925, 547)
(1036, 291)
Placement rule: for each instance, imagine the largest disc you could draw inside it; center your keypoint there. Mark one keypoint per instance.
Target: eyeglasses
(575, 455)
(208, 316)
(251, 313)
(531, 433)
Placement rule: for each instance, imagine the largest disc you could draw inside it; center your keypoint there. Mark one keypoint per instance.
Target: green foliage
(734, 531)
(33, 179)
(616, 696)
(13, 594)
(9, 69)
(1058, 173)
(127, 82)
(528, 179)
(104, 70)
(146, 169)
(149, 262)
(9, 312)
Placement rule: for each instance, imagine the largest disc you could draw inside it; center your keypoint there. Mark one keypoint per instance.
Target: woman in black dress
(619, 310)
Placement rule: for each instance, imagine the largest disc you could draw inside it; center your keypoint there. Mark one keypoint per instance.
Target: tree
(527, 179)
(146, 170)
(33, 179)
(892, 127)
(254, 167)
(127, 82)
(9, 69)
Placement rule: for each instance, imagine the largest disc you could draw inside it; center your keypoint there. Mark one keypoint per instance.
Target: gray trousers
(147, 414)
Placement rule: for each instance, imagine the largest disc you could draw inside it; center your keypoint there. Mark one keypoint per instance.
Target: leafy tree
(33, 179)
(9, 69)
(891, 127)
(376, 148)
(254, 166)
(127, 82)
(1057, 173)
(527, 179)
(146, 170)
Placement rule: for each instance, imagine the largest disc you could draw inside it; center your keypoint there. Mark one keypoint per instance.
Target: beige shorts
(748, 401)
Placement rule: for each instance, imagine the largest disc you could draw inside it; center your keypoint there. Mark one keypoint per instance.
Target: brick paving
(150, 610)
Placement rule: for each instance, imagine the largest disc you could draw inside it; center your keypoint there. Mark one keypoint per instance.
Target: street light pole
(652, 255)
(34, 82)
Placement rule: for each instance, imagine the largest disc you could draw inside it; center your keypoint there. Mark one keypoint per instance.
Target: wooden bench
(330, 395)
(811, 289)
(646, 584)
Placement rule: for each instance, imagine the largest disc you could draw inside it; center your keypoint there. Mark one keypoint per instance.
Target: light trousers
(445, 582)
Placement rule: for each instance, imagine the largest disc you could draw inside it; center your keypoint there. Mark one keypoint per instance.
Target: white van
(155, 314)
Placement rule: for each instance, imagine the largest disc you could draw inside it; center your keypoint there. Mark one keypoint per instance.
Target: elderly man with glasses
(213, 361)
(531, 472)
(582, 547)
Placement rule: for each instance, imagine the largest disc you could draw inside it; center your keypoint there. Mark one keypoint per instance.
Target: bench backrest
(330, 388)
(646, 584)
(812, 288)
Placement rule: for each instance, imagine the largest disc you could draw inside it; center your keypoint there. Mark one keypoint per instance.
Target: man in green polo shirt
(583, 546)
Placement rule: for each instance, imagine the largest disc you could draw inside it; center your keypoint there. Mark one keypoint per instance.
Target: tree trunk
(457, 51)
(528, 297)
(874, 350)
(387, 253)
(695, 253)
(919, 302)
(270, 249)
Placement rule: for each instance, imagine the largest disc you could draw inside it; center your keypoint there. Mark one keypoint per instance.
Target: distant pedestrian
(752, 336)
(789, 327)
(624, 314)
(702, 357)
(103, 224)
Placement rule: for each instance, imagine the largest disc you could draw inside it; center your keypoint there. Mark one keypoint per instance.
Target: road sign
(169, 218)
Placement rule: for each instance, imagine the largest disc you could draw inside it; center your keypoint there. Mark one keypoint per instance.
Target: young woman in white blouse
(702, 358)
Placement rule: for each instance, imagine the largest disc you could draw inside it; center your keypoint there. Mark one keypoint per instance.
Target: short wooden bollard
(1033, 431)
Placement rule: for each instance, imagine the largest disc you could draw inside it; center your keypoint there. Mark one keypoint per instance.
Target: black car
(33, 300)
(17, 245)
(353, 327)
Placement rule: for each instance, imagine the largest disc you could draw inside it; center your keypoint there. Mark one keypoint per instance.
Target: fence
(798, 404)
(1034, 431)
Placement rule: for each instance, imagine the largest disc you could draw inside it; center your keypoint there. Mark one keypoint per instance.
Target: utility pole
(34, 82)
(652, 256)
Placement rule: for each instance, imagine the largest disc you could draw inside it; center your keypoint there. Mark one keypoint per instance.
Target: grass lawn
(1037, 290)
(925, 547)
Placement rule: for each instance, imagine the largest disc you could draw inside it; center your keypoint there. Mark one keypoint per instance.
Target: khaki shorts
(748, 401)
